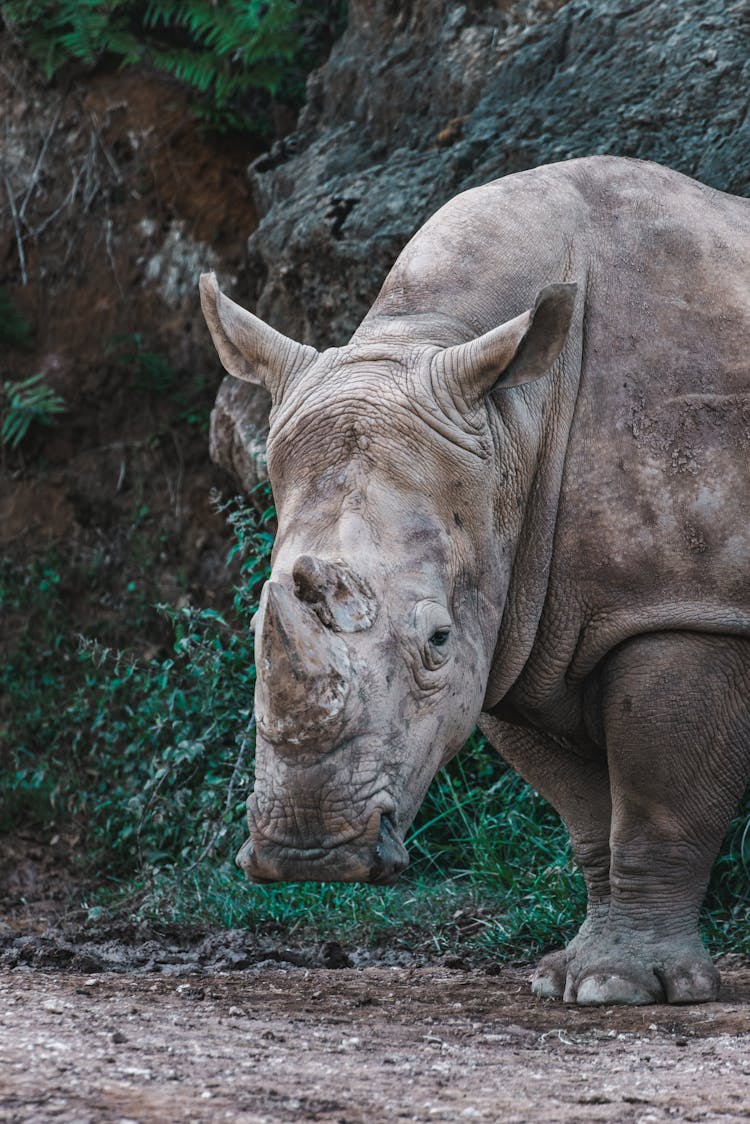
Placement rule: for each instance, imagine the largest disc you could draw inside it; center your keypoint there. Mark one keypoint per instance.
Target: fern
(23, 403)
(226, 53)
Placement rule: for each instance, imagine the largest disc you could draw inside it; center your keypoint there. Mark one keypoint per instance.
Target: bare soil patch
(142, 1022)
(368, 1044)
(122, 199)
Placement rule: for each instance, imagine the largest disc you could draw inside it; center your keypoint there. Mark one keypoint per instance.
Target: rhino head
(376, 631)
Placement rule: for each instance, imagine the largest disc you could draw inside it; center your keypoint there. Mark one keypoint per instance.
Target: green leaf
(226, 53)
(25, 402)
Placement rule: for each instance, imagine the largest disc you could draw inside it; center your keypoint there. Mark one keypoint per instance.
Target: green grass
(490, 868)
(726, 911)
(153, 760)
(442, 915)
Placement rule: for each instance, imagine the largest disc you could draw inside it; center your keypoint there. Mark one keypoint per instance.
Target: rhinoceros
(519, 496)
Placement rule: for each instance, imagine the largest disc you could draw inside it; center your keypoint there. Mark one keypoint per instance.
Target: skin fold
(519, 496)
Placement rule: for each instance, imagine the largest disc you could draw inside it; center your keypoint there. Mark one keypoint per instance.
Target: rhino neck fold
(537, 420)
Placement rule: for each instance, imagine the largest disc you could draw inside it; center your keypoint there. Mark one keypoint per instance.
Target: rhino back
(481, 259)
(647, 489)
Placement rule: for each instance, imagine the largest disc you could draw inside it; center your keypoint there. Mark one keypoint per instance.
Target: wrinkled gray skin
(514, 501)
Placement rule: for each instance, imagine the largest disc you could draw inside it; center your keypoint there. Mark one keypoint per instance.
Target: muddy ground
(141, 1022)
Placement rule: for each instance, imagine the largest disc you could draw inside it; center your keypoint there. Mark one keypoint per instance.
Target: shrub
(222, 52)
(154, 757)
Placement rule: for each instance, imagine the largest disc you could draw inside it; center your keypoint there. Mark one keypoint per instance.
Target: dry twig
(38, 166)
(16, 227)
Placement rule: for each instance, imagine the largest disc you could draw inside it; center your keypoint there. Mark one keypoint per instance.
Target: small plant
(151, 371)
(25, 402)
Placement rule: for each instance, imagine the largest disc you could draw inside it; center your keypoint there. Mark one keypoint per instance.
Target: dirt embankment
(112, 199)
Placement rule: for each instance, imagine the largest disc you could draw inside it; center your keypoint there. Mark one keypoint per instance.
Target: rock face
(422, 101)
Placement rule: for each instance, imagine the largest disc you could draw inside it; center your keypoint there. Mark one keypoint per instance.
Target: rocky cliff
(420, 101)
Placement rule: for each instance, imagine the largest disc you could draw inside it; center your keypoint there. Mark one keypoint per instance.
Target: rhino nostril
(390, 856)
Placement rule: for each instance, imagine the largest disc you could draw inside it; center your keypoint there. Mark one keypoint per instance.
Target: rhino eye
(436, 651)
(433, 628)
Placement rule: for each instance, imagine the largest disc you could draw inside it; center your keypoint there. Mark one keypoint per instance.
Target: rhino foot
(550, 977)
(548, 980)
(640, 973)
(603, 989)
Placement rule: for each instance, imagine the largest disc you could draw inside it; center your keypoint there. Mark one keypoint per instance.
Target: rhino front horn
(304, 672)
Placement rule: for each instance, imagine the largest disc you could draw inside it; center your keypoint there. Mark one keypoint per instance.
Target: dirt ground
(134, 1021)
(368, 1044)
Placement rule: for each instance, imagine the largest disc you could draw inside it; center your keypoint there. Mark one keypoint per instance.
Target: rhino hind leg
(676, 714)
(577, 786)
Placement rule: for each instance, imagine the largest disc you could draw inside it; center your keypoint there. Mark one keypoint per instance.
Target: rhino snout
(376, 854)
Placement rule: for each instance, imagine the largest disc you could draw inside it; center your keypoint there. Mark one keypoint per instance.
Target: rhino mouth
(376, 855)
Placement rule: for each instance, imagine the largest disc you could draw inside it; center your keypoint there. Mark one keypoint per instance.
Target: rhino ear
(517, 352)
(248, 348)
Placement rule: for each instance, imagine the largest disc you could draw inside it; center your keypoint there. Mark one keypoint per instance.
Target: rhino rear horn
(249, 348)
(304, 672)
(517, 352)
(342, 600)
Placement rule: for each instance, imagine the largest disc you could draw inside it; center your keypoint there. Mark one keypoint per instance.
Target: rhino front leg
(578, 788)
(676, 714)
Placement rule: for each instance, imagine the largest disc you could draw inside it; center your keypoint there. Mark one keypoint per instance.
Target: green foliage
(154, 756)
(155, 759)
(26, 401)
(726, 915)
(491, 867)
(150, 370)
(223, 52)
(22, 403)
